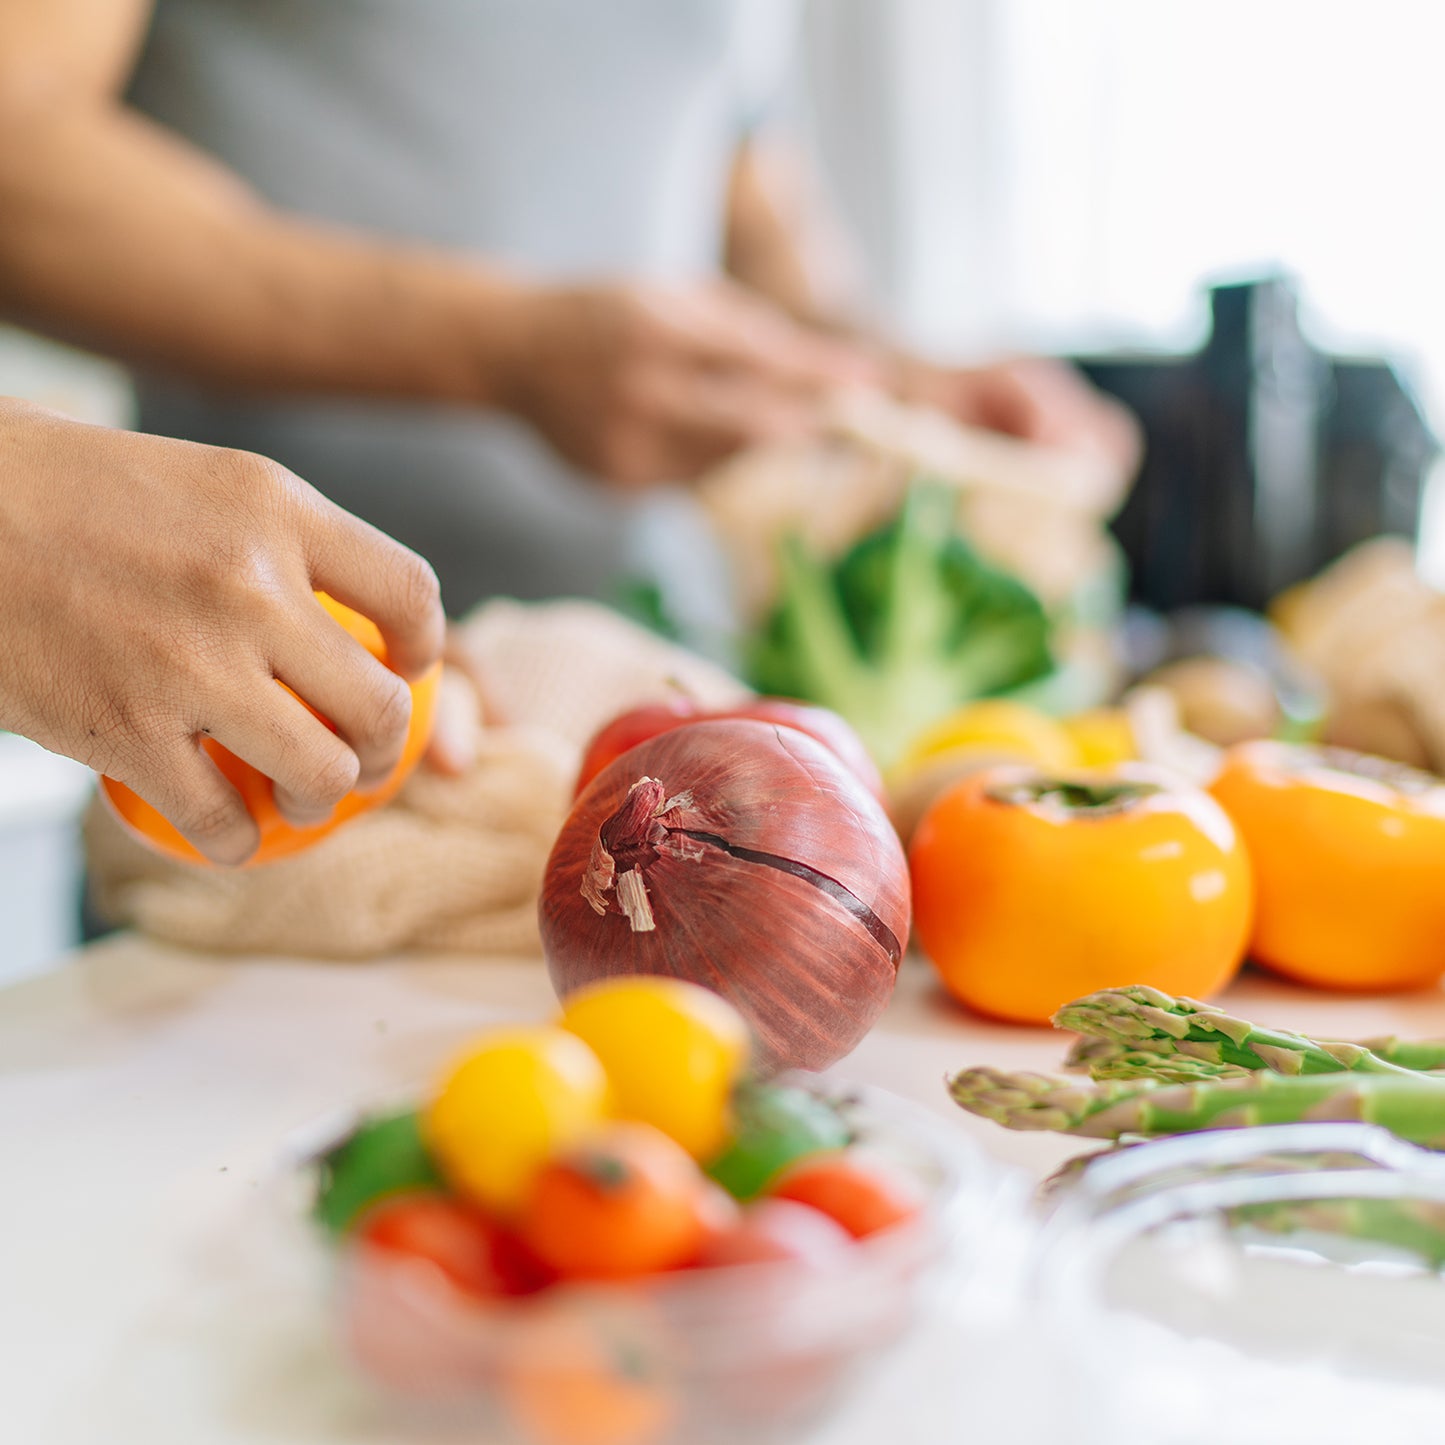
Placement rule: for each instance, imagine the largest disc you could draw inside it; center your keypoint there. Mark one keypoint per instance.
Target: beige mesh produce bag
(452, 864)
(1036, 511)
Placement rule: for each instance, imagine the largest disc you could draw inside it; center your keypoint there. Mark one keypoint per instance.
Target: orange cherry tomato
(628, 1202)
(278, 837)
(1031, 890)
(1349, 864)
(859, 1193)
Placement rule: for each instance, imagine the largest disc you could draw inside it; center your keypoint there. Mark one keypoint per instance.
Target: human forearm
(123, 238)
(782, 241)
(127, 240)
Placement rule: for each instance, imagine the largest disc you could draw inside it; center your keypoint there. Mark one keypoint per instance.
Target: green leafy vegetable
(381, 1158)
(909, 625)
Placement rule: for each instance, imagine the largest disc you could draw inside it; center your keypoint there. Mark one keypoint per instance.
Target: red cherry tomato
(780, 1229)
(476, 1255)
(642, 723)
(859, 1193)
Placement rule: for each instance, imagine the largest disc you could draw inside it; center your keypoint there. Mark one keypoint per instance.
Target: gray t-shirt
(585, 138)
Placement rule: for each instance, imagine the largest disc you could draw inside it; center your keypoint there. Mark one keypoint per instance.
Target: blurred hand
(1033, 398)
(153, 592)
(641, 384)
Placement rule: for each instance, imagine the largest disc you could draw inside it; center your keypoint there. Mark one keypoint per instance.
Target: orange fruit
(1349, 864)
(1031, 890)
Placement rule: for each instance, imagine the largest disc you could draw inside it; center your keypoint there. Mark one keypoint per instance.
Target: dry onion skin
(743, 856)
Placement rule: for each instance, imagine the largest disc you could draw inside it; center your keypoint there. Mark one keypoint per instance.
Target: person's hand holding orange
(154, 593)
(280, 833)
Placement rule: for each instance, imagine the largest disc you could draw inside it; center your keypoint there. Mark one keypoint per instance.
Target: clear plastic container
(1316, 1246)
(753, 1353)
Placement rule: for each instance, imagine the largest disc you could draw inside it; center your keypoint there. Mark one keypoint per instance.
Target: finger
(379, 578)
(735, 331)
(698, 421)
(459, 656)
(367, 703)
(311, 767)
(1005, 401)
(187, 788)
(1052, 403)
(453, 747)
(726, 412)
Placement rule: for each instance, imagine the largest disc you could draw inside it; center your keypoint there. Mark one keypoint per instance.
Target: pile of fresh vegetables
(1079, 868)
(623, 1142)
(748, 851)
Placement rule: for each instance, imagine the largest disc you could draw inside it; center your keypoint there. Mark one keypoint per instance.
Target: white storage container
(41, 800)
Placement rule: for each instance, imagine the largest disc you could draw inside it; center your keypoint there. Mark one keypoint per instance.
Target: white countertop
(144, 1094)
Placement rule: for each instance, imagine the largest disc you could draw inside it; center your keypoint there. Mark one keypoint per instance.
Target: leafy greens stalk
(909, 625)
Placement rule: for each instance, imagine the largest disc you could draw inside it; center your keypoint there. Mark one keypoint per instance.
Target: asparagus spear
(1426, 1055)
(1409, 1105)
(1087, 1050)
(1108, 1058)
(1162, 1068)
(1149, 1059)
(1141, 1017)
(1414, 1225)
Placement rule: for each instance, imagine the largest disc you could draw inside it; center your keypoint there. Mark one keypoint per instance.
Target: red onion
(743, 856)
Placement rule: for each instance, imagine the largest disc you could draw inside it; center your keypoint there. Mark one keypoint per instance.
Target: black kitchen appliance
(1267, 457)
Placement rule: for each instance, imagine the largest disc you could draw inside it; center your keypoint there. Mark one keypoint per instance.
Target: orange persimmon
(1349, 864)
(1030, 890)
(278, 837)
